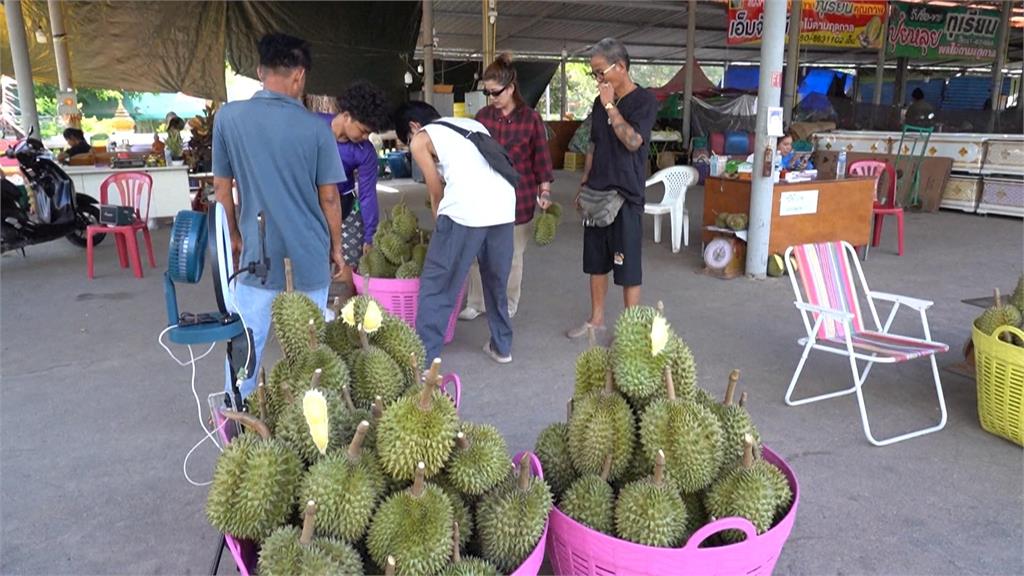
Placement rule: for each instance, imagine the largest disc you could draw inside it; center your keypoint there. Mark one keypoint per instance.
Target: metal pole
(564, 90)
(427, 36)
(60, 44)
(22, 66)
(880, 65)
(900, 92)
(997, 72)
(768, 92)
(490, 8)
(792, 61)
(691, 63)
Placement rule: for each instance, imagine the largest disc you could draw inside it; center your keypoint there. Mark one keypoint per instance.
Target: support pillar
(427, 38)
(762, 188)
(60, 44)
(997, 70)
(880, 64)
(564, 90)
(691, 63)
(22, 66)
(792, 62)
(900, 91)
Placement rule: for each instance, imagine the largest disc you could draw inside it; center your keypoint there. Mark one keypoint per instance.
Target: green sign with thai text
(923, 31)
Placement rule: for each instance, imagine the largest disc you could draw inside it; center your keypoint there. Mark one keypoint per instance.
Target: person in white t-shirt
(474, 212)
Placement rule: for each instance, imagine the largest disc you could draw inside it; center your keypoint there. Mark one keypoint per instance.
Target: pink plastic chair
(136, 190)
(884, 208)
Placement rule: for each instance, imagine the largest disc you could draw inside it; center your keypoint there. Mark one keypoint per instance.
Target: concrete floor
(95, 419)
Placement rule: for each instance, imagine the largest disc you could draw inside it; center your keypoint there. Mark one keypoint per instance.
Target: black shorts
(348, 201)
(616, 248)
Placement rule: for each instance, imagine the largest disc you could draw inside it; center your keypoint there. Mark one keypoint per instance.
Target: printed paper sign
(942, 33)
(798, 202)
(837, 23)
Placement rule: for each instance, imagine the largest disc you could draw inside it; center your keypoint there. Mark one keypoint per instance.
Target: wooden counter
(842, 210)
(170, 186)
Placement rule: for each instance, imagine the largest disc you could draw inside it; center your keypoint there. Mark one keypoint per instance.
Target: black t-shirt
(80, 148)
(613, 166)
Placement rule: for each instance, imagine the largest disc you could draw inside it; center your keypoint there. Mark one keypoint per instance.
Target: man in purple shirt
(363, 110)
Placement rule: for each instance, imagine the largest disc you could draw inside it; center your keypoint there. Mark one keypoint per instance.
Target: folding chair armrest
(841, 314)
(915, 303)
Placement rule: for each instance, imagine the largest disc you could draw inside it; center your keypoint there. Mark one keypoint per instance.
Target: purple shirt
(360, 156)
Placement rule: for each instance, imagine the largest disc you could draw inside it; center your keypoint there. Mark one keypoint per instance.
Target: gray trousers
(453, 248)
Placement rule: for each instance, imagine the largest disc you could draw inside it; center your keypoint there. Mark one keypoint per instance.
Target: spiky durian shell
(591, 501)
(409, 269)
(400, 341)
(283, 555)
(552, 448)
(405, 225)
(377, 265)
(591, 367)
(758, 493)
(544, 228)
(736, 424)
(470, 566)
(996, 316)
(649, 514)
(343, 555)
(348, 422)
(333, 371)
(1017, 299)
(638, 373)
(511, 521)
(345, 493)
(292, 430)
(461, 511)
(639, 468)
(376, 374)
(555, 209)
(419, 254)
(278, 398)
(481, 466)
(696, 513)
(407, 435)
(691, 437)
(394, 249)
(254, 487)
(415, 531)
(337, 337)
(601, 424)
(290, 313)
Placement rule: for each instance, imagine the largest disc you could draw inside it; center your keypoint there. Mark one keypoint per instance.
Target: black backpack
(493, 152)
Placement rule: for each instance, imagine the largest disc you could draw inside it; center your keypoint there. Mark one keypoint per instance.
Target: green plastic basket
(999, 366)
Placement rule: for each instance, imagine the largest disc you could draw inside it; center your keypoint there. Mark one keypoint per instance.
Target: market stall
(170, 186)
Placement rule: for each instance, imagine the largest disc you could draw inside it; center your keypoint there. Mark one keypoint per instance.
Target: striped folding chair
(834, 322)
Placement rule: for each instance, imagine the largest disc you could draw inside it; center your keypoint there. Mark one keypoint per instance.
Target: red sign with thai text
(837, 23)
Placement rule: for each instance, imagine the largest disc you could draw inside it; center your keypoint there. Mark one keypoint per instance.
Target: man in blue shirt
(285, 162)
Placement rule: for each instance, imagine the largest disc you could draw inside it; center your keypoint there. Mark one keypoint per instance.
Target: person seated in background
(76, 144)
(788, 158)
(920, 112)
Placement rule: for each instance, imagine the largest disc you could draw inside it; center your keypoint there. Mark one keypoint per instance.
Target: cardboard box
(574, 161)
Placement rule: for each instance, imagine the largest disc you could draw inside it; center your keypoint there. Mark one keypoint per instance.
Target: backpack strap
(465, 133)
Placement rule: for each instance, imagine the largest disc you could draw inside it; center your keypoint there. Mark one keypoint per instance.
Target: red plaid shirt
(522, 133)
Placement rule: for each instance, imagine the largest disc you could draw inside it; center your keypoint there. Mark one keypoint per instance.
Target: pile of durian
(350, 441)
(732, 221)
(399, 247)
(1009, 314)
(649, 457)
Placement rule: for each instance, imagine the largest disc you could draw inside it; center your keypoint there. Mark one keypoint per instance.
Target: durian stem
(366, 283)
(659, 468)
(364, 341)
(430, 384)
(669, 385)
(286, 391)
(999, 300)
(568, 410)
(591, 336)
(419, 483)
(261, 394)
(748, 451)
(609, 383)
(347, 396)
(289, 282)
(389, 566)
(314, 380)
(250, 421)
(314, 340)
(730, 390)
(456, 556)
(743, 399)
(377, 408)
(661, 307)
(355, 448)
(336, 306)
(461, 441)
(308, 524)
(524, 472)
(606, 468)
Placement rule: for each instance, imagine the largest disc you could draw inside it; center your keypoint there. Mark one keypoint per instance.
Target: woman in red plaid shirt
(520, 130)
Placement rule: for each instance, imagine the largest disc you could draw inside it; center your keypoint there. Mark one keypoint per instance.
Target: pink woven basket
(531, 566)
(401, 298)
(577, 549)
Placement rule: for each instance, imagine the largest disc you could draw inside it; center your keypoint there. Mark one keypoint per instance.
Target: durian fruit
(644, 344)
(466, 565)
(639, 468)
(317, 356)
(293, 429)
(280, 391)
(349, 419)
(254, 484)
(544, 228)
(376, 374)
(998, 315)
(690, 436)
(1017, 299)
(756, 490)
(776, 266)
(346, 486)
(416, 429)
(393, 248)
(290, 314)
(374, 264)
(696, 513)
(737, 221)
(721, 219)
(602, 423)
(257, 403)
(409, 269)
(286, 552)
(591, 500)
(552, 448)
(479, 461)
(337, 335)
(650, 511)
(555, 209)
(591, 367)
(461, 510)
(404, 346)
(736, 423)
(511, 518)
(414, 527)
(405, 223)
(419, 251)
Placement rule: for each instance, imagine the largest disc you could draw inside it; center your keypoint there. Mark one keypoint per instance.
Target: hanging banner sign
(942, 33)
(836, 23)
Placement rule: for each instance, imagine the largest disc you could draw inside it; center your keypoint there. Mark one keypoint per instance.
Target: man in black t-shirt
(620, 135)
(76, 144)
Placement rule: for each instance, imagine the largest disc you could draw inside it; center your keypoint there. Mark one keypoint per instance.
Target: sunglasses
(495, 93)
(600, 75)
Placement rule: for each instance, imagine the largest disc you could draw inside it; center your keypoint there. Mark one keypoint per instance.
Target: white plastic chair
(834, 324)
(676, 180)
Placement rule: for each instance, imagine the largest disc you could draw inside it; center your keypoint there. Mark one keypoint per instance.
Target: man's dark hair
(611, 50)
(414, 111)
(176, 123)
(367, 104)
(917, 94)
(74, 133)
(281, 51)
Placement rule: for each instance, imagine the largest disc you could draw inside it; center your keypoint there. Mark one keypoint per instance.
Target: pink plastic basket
(576, 549)
(531, 566)
(401, 298)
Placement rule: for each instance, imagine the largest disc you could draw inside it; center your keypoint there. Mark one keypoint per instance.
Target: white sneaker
(495, 356)
(469, 313)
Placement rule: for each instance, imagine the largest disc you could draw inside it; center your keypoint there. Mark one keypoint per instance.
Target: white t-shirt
(474, 194)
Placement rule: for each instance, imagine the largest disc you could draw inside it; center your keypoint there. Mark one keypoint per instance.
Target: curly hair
(366, 104)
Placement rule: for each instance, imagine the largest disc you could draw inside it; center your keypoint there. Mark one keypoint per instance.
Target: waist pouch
(599, 207)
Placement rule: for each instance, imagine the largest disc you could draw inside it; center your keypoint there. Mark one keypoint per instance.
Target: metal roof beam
(517, 29)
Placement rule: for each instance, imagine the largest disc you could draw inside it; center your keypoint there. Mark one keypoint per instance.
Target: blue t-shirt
(279, 153)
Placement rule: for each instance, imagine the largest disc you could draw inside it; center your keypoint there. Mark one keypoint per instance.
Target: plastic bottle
(714, 170)
(841, 166)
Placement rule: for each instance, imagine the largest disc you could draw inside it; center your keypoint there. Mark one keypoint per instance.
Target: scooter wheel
(89, 214)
